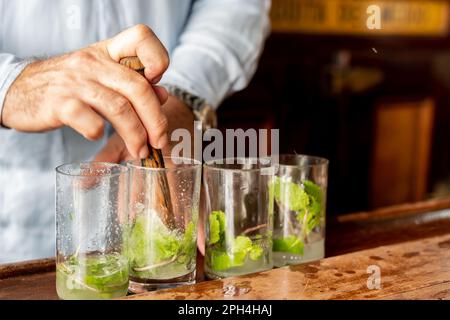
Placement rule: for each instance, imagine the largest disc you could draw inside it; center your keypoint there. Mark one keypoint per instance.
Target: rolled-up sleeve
(218, 52)
(10, 68)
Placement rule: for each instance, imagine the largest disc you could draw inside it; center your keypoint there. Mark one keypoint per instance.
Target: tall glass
(239, 217)
(300, 190)
(91, 212)
(163, 224)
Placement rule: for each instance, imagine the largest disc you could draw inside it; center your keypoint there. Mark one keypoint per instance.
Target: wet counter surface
(414, 270)
(408, 246)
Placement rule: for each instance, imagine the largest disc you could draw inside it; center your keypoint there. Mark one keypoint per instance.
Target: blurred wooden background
(375, 102)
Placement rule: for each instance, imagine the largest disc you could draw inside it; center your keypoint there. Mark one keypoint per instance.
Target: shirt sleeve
(10, 68)
(218, 51)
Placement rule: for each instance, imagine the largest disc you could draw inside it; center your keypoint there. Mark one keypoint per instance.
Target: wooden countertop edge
(26, 268)
(397, 211)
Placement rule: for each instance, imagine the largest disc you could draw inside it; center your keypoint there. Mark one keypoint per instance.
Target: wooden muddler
(155, 159)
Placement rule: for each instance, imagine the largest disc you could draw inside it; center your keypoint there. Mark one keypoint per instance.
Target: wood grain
(26, 268)
(397, 211)
(402, 147)
(413, 270)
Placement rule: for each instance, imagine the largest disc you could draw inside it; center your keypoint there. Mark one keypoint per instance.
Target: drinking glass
(239, 217)
(91, 213)
(300, 191)
(163, 224)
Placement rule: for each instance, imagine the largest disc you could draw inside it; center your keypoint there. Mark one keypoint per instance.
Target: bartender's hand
(180, 116)
(83, 88)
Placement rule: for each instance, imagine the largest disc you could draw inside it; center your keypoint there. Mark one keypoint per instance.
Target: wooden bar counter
(409, 245)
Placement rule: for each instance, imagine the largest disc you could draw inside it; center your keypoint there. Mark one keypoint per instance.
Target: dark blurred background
(376, 103)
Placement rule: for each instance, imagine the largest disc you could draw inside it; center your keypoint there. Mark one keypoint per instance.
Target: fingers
(122, 96)
(146, 102)
(121, 114)
(82, 119)
(140, 41)
(162, 94)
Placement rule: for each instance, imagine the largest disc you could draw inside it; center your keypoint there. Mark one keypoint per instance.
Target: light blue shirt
(214, 47)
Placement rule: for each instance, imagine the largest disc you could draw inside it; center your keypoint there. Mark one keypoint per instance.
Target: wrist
(200, 108)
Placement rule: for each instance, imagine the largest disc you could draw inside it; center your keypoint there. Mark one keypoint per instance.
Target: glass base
(313, 251)
(138, 286)
(250, 267)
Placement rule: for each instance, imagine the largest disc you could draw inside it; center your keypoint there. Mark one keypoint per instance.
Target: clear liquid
(249, 266)
(313, 251)
(170, 271)
(95, 277)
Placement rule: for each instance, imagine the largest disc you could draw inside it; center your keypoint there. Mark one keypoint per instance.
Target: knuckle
(142, 87)
(95, 131)
(70, 111)
(120, 107)
(160, 125)
(160, 65)
(80, 58)
(143, 30)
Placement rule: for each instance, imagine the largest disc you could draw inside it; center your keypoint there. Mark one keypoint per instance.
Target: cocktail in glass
(91, 213)
(163, 224)
(239, 216)
(300, 190)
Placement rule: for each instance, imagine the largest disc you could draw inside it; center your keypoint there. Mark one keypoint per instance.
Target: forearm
(10, 68)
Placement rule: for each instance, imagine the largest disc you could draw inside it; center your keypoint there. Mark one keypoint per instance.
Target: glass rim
(320, 161)
(60, 169)
(195, 164)
(212, 166)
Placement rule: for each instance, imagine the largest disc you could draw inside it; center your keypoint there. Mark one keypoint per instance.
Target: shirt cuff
(200, 75)
(8, 76)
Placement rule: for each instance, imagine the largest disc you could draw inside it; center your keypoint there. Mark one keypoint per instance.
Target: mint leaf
(290, 195)
(237, 259)
(151, 242)
(256, 252)
(239, 250)
(166, 245)
(220, 261)
(313, 190)
(222, 257)
(241, 244)
(137, 246)
(306, 199)
(214, 230)
(310, 218)
(216, 226)
(102, 274)
(289, 244)
(189, 243)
